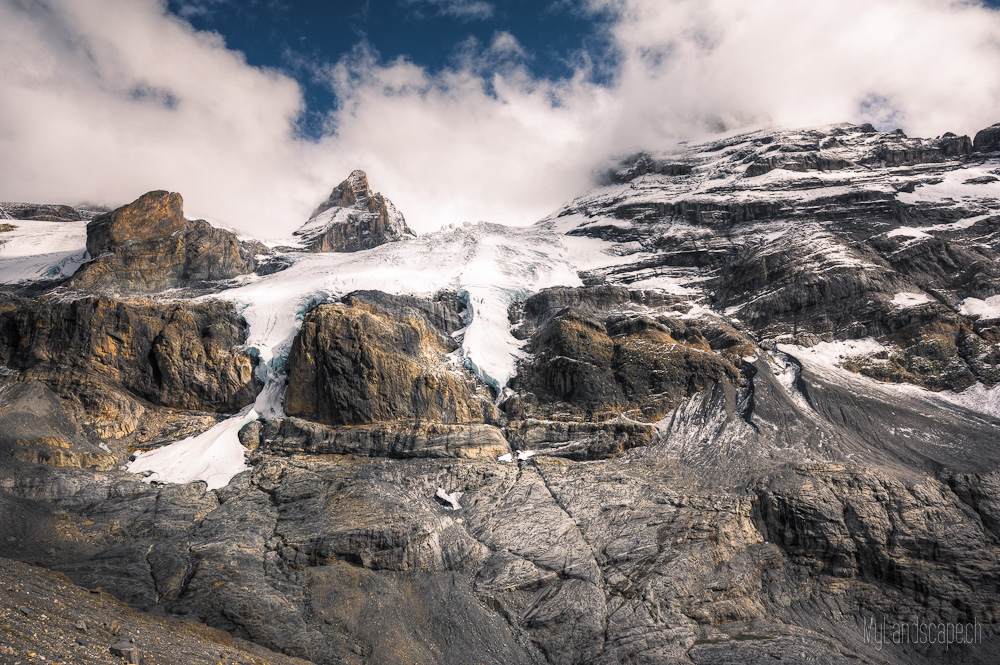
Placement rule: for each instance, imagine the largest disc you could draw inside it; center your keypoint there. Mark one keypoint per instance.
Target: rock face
(35, 428)
(805, 257)
(619, 365)
(290, 436)
(988, 139)
(43, 212)
(600, 373)
(110, 356)
(148, 246)
(152, 216)
(352, 219)
(357, 364)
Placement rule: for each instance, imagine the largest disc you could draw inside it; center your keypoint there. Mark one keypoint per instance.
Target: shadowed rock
(176, 355)
(988, 139)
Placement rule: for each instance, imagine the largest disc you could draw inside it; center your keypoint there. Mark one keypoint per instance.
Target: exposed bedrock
(289, 436)
(35, 428)
(148, 246)
(358, 364)
(115, 361)
(353, 218)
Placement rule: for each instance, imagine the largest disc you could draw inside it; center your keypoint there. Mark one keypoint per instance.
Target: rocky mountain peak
(148, 246)
(156, 214)
(988, 139)
(353, 218)
(348, 193)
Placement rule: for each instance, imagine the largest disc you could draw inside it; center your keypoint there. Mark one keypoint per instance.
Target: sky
(459, 110)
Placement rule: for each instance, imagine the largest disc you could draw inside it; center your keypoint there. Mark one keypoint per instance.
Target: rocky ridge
(753, 410)
(148, 246)
(353, 218)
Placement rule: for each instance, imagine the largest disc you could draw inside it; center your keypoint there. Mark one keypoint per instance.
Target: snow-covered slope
(41, 250)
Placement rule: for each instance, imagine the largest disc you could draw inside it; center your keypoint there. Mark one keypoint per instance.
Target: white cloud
(927, 64)
(105, 99)
(463, 145)
(488, 141)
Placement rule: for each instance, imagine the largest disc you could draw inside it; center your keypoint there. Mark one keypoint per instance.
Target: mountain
(352, 219)
(737, 403)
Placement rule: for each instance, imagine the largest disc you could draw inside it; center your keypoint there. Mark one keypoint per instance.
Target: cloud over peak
(106, 99)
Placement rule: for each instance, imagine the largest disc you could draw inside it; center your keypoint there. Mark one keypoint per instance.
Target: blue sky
(459, 110)
(296, 36)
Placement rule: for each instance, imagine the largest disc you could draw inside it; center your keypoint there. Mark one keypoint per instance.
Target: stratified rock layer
(179, 355)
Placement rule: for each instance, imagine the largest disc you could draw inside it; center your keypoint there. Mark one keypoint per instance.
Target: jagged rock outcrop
(356, 364)
(353, 218)
(106, 352)
(987, 139)
(598, 377)
(148, 246)
(600, 373)
(643, 163)
(42, 212)
(152, 216)
(628, 366)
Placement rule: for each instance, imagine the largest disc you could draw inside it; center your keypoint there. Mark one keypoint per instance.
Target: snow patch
(831, 354)
(984, 309)
(977, 398)
(664, 283)
(36, 250)
(214, 456)
(450, 498)
(907, 300)
(908, 231)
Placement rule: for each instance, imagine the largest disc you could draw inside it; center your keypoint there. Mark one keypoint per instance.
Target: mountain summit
(352, 219)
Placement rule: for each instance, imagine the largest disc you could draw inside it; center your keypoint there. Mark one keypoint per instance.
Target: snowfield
(41, 250)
